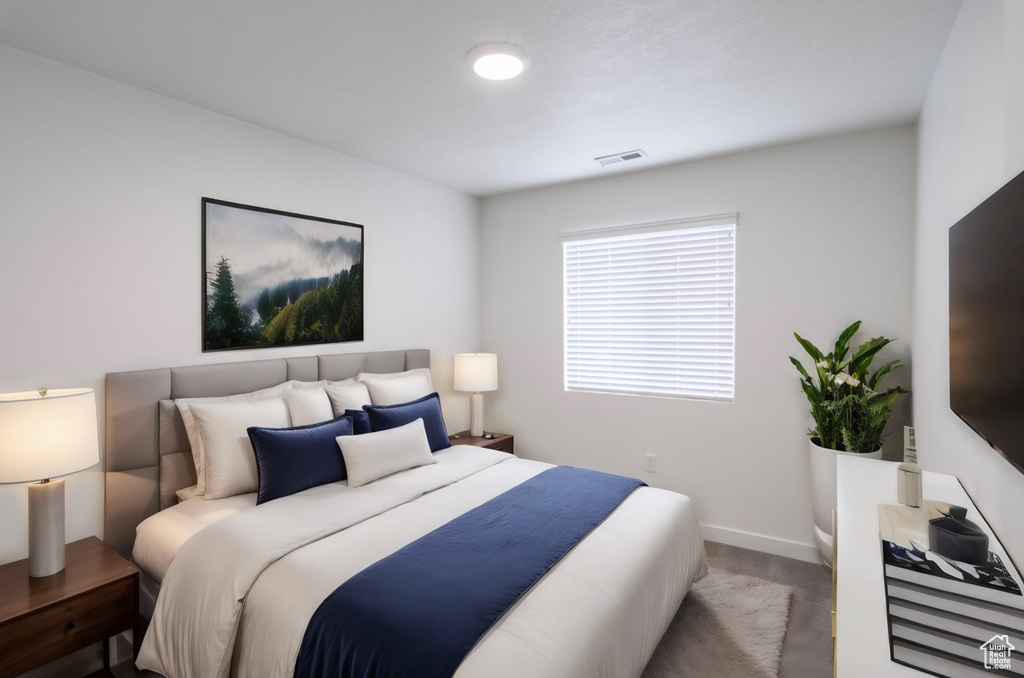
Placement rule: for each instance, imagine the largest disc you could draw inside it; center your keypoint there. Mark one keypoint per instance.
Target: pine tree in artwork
(225, 321)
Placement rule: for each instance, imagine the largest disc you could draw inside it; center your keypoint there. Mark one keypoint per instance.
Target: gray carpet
(729, 625)
(807, 648)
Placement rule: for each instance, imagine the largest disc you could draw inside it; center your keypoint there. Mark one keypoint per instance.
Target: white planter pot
(823, 492)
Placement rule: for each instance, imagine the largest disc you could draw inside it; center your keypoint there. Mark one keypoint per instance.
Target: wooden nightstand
(503, 442)
(95, 597)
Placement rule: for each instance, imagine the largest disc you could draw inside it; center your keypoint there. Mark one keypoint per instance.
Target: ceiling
(386, 81)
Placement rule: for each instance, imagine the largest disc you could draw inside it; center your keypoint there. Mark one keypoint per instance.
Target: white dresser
(862, 640)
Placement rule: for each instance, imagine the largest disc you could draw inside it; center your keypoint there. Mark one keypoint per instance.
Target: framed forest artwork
(273, 278)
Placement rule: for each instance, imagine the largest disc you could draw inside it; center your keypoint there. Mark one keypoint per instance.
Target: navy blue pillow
(360, 421)
(289, 460)
(427, 408)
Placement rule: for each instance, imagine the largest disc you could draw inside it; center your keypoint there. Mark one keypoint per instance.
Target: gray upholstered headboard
(147, 452)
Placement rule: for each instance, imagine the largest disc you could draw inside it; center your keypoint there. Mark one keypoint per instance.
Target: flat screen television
(986, 320)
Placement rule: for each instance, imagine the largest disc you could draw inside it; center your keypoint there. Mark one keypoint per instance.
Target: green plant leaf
(810, 348)
(883, 402)
(882, 372)
(843, 342)
(861, 360)
(799, 367)
(813, 394)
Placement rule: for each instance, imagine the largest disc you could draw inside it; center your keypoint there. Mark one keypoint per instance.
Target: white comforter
(238, 595)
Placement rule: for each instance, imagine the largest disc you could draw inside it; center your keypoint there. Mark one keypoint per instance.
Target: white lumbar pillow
(344, 382)
(348, 395)
(308, 405)
(399, 387)
(374, 455)
(195, 440)
(295, 383)
(229, 459)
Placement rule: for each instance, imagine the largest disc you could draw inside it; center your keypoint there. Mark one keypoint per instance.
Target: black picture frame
(273, 278)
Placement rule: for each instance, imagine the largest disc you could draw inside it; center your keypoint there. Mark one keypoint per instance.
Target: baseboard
(759, 542)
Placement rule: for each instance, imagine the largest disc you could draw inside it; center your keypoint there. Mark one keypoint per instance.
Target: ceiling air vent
(606, 160)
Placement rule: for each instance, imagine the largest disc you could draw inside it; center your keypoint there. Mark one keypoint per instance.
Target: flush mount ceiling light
(498, 61)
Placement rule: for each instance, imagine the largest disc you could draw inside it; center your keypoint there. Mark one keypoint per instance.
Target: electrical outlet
(649, 463)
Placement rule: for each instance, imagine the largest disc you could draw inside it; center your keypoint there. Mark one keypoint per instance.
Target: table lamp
(43, 435)
(476, 372)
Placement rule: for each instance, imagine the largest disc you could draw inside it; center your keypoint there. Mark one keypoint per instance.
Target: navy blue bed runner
(419, 611)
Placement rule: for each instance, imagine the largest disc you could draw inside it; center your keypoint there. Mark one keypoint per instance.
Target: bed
(599, 611)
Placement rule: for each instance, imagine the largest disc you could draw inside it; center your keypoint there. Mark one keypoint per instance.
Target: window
(650, 309)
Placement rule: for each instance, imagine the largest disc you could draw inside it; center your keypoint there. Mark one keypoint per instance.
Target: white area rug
(729, 626)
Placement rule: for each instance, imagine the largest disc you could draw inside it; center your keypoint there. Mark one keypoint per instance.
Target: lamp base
(476, 414)
(45, 528)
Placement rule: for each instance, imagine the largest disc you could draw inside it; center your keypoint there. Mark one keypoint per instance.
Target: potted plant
(850, 409)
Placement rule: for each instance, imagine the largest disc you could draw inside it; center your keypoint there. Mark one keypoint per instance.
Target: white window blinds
(650, 309)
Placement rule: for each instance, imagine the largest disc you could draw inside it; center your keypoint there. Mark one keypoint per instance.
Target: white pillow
(399, 387)
(374, 455)
(229, 460)
(351, 396)
(195, 440)
(425, 371)
(295, 383)
(308, 405)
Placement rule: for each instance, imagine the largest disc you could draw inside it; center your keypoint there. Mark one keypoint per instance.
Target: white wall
(971, 143)
(824, 238)
(100, 264)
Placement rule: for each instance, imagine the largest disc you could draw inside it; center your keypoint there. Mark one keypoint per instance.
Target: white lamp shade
(476, 372)
(47, 436)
